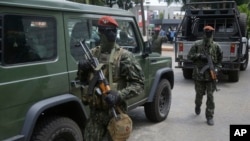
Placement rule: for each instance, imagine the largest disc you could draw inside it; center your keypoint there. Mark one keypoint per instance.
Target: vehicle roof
(60, 5)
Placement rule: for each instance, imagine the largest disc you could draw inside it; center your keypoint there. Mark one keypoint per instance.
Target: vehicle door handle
(76, 83)
(153, 61)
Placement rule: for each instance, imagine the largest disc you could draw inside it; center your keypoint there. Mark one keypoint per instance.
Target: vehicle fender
(36, 110)
(166, 73)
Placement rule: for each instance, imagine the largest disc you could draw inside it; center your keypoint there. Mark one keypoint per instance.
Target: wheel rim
(64, 137)
(163, 101)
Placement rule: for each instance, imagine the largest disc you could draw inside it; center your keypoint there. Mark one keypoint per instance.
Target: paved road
(232, 107)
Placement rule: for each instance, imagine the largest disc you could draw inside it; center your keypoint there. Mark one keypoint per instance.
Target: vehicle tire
(187, 73)
(233, 76)
(57, 129)
(243, 24)
(244, 65)
(158, 109)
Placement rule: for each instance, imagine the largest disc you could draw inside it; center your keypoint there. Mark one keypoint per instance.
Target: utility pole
(143, 19)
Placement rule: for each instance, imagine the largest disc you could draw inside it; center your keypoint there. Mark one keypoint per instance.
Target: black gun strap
(203, 69)
(93, 83)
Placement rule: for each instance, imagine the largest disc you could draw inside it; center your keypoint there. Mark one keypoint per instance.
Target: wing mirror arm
(144, 55)
(146, 49)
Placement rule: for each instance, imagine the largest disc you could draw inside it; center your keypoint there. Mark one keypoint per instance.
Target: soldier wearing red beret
(208, 28)
(204, 83)
(125, 77)
(156, 41)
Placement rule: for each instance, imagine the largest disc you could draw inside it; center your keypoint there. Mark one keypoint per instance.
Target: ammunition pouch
(120, 127)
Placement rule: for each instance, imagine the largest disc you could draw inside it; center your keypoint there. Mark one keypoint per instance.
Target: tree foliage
(161, 15)
(243, 5)
(245, 8)
(125, 4)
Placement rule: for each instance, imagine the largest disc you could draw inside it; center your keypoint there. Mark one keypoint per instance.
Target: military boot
(210, 121)
(197, 110)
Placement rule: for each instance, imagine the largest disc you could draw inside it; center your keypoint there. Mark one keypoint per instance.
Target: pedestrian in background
(162, 32)
(204, 85)
(156, 41)
(172, 35)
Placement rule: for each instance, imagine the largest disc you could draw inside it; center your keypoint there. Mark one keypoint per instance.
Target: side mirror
(146, 49)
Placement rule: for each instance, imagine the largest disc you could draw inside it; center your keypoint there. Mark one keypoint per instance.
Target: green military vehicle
(230, 33)
(39, 98)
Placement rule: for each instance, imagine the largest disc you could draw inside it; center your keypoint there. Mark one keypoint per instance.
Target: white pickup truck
(230, 33)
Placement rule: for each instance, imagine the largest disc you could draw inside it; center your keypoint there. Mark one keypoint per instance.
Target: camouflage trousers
(202, 88)
(96, 127)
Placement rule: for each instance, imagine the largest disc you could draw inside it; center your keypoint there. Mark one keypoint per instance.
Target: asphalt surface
(231, 107)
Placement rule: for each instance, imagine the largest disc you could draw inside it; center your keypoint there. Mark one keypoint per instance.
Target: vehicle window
(221, 25)
(225, 25)
(87, 30)
(126, 37)
(78, 31)
(28, 39)
(1, 37)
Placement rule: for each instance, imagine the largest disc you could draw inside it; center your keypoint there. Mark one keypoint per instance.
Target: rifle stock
(213, 75)
(105, 88)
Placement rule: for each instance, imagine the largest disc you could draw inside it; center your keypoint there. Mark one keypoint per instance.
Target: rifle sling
(110, 66)
(93, 83)
(203, 69)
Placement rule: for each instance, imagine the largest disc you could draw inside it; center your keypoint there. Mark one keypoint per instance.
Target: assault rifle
(99, 78)
(212, 71)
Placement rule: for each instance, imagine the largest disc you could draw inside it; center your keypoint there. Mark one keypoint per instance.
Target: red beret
(107, 21)
(208, 28)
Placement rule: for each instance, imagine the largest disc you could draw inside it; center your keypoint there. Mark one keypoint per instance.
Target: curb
(167, 48)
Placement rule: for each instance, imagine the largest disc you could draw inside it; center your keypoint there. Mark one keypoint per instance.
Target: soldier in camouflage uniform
(203, 81)
(124, 74)
(156, 41)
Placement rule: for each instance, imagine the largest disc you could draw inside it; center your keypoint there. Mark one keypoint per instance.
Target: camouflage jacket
(213, 49)
(156, 43)
(126, 71)
(127, 75)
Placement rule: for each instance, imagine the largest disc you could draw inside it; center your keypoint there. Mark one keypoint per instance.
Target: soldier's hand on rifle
(84, 65)
(112, 98)
(217, 69)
